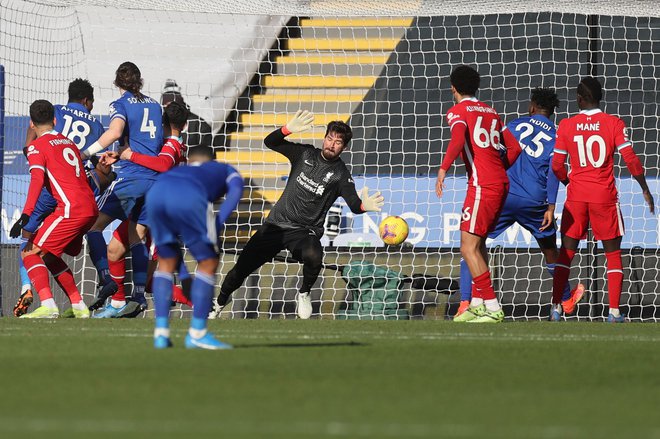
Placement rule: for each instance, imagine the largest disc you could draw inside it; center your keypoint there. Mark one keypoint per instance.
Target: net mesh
(245, 72)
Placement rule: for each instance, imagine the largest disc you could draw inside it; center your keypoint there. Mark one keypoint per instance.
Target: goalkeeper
(317, 178)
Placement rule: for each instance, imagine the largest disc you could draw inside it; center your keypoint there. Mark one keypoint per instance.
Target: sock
(25, 279)
(117, 303)
(466, 281)
(567, 289)
(38, 273)
(118, 274)
(484, 286)
(614, 278)
(562, 271)
(98, 253)
(64, 278)
(140, 258)
(162, 291)
(477, 299)
(49, 303)
(492, 305)
(615, 312)
(202, 297)
(79, 306)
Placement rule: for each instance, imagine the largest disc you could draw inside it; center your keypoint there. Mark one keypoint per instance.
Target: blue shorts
(527, 213)
(183, 213)
(46, 205)
(124, 199)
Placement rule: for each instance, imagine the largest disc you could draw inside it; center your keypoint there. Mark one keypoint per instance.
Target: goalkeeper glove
(18, 226)
(371, 203)
(302, 121)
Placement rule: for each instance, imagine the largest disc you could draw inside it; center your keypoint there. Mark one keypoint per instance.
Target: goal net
(245, 67)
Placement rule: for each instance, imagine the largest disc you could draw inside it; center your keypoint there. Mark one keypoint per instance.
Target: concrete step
(284, 81)
(301, 56)
(356, 22)
(353, 32)
(253, 139)
(269, 195)
(250, 157)
(338, 44)
(329, 92)
(279, 119)
(327, 69)
(319, 106)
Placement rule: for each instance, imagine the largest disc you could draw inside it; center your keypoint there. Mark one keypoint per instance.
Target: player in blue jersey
(74, 121)
(182, 200)
(136, 120)
(532, 193)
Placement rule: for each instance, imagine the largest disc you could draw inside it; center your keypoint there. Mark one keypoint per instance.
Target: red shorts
(121, 235)
(482, 208)
(59, 235)
(605, 218)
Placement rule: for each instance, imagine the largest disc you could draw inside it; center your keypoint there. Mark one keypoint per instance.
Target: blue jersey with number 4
(74, 121)
(530, 176)
(143, 131)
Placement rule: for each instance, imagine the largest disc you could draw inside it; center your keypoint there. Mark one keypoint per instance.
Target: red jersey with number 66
(590, 139)
(481, 147)
(55, 163)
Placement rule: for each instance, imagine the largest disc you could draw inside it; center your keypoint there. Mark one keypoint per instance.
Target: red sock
(38, 273)
(484, 286)
(118, 273)
(64, 278)
(476, 293)
(562, 271)
(614, 277)
(179, 297)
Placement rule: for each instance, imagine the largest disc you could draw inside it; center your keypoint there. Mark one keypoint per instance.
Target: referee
(317, 178)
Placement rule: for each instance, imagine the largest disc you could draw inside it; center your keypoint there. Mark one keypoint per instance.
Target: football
(393, 230)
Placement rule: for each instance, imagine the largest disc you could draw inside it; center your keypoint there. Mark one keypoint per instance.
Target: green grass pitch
(322, 378)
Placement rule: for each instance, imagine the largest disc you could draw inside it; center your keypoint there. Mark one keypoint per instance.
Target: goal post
(245, 67)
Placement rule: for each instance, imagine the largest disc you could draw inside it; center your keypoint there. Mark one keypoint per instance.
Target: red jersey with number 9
(481, 151)
(59, 159)
(590, 139)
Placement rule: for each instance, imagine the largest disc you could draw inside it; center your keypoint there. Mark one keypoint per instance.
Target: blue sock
(140, 259)
(567, 289)
(183, 270)
(201, 295)
(162, 285)
(98, 252)
(466, 281)
(25, 279)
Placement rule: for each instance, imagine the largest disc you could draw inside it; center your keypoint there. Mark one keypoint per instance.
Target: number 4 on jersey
(148, 125)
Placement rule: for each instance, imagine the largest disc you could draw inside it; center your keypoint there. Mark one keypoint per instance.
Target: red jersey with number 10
(481, 150)
(590, 139)
(55, 163)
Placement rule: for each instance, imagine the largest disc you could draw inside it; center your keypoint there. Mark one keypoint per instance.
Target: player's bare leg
(484, 306)
(562, 272)
(570, 297)
(612, 249)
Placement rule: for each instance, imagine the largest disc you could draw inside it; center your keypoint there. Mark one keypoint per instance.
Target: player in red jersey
(171, 154)
(476, 134)
(55, 163)
(590, 139)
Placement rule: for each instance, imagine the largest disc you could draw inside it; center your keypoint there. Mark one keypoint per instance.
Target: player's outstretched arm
(112, 134)
(302, 121)
(232, 198)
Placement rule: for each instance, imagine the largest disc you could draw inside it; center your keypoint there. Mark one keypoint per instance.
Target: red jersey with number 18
(590, 139)
(55, 163)
(481, 150)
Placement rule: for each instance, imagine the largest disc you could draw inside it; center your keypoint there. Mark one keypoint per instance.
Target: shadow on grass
(300, 345)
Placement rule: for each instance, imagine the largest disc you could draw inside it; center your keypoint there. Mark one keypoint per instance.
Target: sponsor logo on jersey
(307, 162)
(452, 116)
(32, 150)
(309, 184)
(327, 177)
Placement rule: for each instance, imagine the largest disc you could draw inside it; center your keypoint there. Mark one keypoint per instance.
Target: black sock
(223, 298)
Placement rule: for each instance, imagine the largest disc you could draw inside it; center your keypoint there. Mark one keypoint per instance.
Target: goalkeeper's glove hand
(302, 121)
(371, 203)
(18, 226)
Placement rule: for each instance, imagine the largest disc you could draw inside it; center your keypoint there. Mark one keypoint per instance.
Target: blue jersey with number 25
(530, 176)
(74, 121)
(143, 131)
